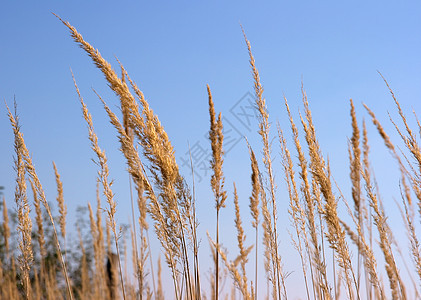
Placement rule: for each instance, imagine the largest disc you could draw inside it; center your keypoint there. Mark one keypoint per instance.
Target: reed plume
(296, 211)
(254, 207)
(321, 286)
(408, 217)
(62, 208)
(241, 237)
(264, 128)
(335, 235)
(176, 201)
(395, 282)
(24, 221)
(355, 175)
(39, 221)
(30, 170)
(216, 137)
(103, 174)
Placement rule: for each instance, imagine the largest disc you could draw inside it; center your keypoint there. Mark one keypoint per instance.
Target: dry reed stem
(84, 293)
(140, 261)
(394, 272)
(136, 263)
(157, 139)
(135, 171)
(359, 204)
(296, 211)
(13, 291)
(335, 235)
(268, 242)
(408, 218)
(36, 287)
(103, 174)
(24, 228)
(29, 167)
(264, 128)
(379, 218)
(24, 221)
(411, 144)
(366, 251)
(241, 237)
(100, 239)
(355, 175)
(135, 256)
(255, 183)
(355, 165)
(98, 262)
(40, 237)
(388, 142)
(2, 280)
(237, 275)
(254, 207)
(322, 286)
(116, 84)
(160, 292)
(194, 235)
(141, 180)
(108, 234)
(62, 208)
(217, 179)
(409, 140)
(156, 145)
(6, 229)
(39, 221)
(216, 137)
(133, 162)
(159, 151)
(176, 202)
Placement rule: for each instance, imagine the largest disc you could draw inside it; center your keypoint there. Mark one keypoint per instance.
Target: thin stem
(139, 280)
(151, 260)
(217, 256)
(255, 272)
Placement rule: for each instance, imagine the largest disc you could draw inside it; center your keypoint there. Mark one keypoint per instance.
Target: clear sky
(172, 49)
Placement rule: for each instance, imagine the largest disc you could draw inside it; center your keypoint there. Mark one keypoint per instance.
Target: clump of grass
(27, 166)
(320, 170)
(320, 280)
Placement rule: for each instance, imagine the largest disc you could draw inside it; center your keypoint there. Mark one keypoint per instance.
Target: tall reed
(24, 221)
(103, 174)
(278, 279)
(254, 209)
(216, 137)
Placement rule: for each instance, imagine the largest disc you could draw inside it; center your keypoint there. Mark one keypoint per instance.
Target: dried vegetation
(39, 267)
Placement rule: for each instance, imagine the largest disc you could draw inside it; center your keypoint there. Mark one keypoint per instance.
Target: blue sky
(172, 49)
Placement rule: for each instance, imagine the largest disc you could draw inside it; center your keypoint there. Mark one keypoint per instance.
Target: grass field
(346, 253)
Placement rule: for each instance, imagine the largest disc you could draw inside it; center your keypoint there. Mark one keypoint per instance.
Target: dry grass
(165, 201)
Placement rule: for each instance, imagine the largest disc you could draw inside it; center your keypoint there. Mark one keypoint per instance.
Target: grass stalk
(30, 170)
